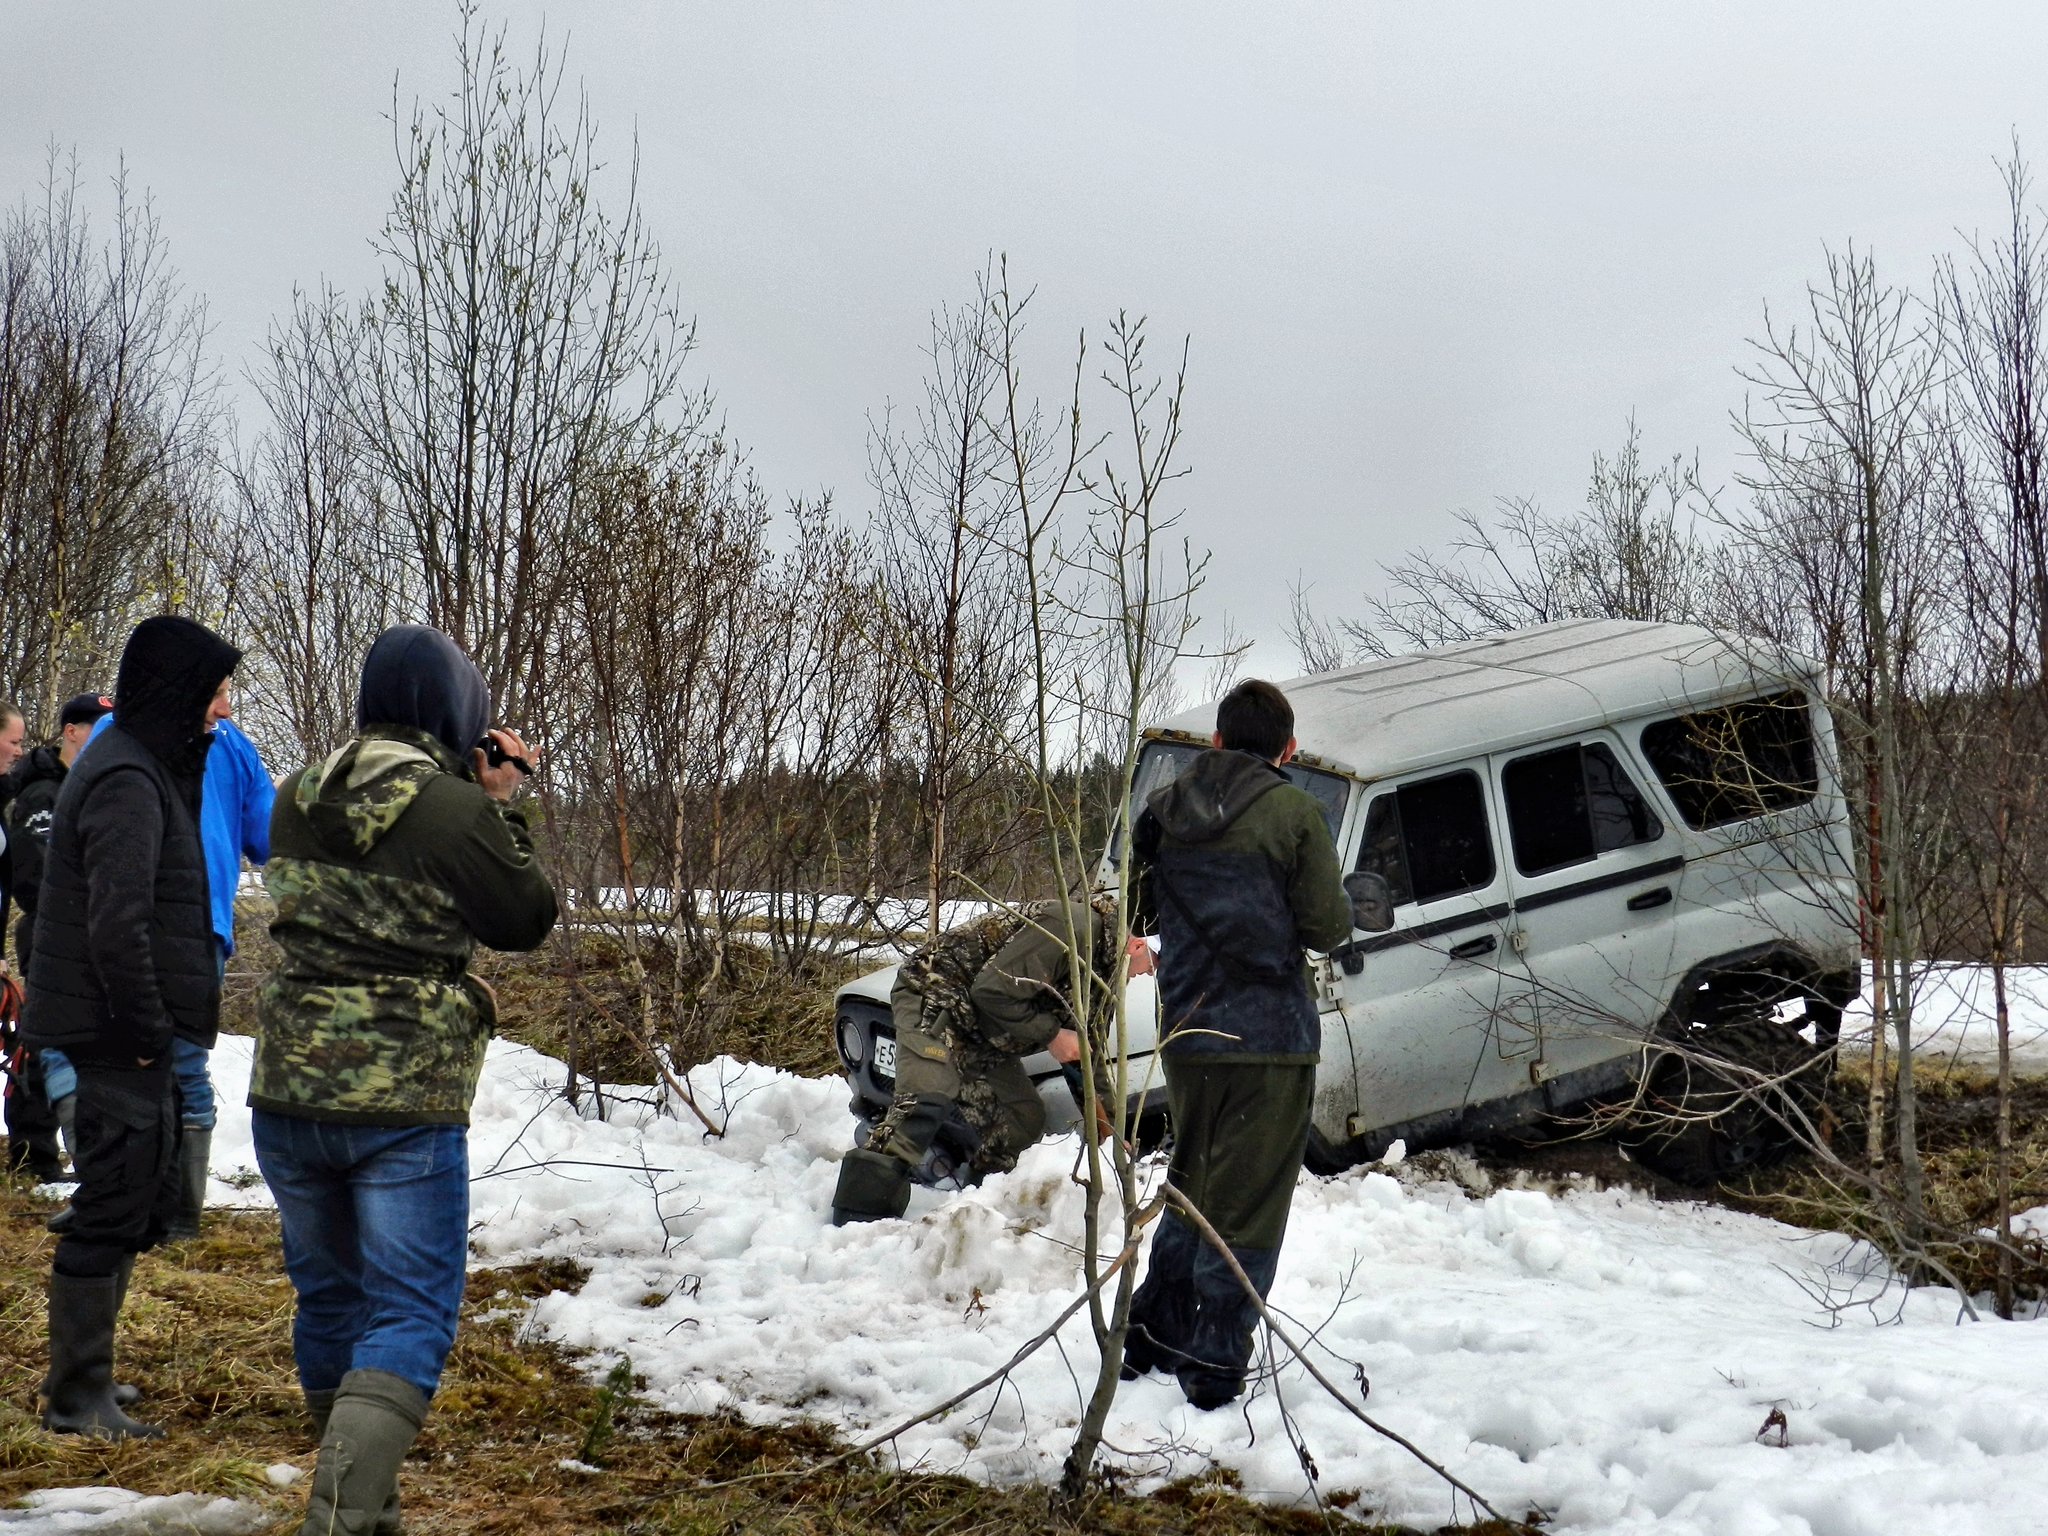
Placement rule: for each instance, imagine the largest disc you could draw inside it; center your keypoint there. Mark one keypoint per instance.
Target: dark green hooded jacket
(1237, 876)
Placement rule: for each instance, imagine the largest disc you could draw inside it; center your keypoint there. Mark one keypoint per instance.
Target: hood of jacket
(169, 671)
(359, 793)
(39, 764)
(1211, 793)
(417, 677)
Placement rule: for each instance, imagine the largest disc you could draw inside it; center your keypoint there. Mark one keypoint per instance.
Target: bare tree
(106, 423)
(522, 333)
(1994, 311)
(948, 614)
(1843, 507)
(313, 578)
(1632, 552)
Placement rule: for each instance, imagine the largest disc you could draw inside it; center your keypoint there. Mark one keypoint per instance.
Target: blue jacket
(234, 817)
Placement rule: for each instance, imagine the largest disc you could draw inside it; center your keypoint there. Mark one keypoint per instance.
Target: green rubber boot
(319, 1405)
(371, 1421)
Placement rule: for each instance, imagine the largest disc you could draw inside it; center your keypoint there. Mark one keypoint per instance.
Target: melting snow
(1599, 1355)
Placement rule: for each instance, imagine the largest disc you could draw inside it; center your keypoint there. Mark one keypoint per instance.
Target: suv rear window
(1571, 803)
(1743, 760)
(1429, 839)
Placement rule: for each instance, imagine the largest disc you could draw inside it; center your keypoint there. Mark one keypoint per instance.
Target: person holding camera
(390, 862)
(1237, 874)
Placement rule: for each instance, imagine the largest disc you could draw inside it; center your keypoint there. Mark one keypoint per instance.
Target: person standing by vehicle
(46, 1093)
(1237, 875)
(122, 965)
(968, 1007)
(390, 862)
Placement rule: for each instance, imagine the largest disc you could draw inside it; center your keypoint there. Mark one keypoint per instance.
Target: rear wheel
(1721, 1100)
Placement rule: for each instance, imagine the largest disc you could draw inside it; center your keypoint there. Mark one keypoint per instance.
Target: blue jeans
(376, 1231)
(195, 1083)
(60, 1078)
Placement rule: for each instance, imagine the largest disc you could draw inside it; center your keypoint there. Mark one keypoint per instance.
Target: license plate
(885, 1056)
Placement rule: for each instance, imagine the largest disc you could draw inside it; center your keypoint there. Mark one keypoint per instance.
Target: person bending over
(968, 1007)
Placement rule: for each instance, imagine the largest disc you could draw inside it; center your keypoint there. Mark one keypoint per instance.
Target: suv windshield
(1163, 761)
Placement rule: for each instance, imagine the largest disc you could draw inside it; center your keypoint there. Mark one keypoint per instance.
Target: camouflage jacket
(388, 866)
(1002, 977)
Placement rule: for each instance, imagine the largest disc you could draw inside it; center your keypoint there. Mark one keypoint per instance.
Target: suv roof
(1407, 712)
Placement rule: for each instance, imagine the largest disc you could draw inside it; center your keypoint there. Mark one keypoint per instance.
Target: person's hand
(1139, 954)
(502, 782)
(1064, 1047)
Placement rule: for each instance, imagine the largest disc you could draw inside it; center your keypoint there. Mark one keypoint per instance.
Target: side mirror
(1372, 903)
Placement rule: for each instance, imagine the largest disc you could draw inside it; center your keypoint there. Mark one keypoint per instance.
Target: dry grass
(1957, 1113)
(206, 1334)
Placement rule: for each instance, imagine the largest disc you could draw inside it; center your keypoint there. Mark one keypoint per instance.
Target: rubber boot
(195, 1148)
(80, 1385)
(124, 1392)
(319, 1406)
(370, 1427)
(873, 1186)
(1220, 1347)
(1163, 1310)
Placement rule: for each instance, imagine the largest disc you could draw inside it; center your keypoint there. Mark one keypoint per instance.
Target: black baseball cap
(84, 708)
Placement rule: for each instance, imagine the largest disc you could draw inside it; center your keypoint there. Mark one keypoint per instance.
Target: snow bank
(1955, 1016)
(1599, 1355)
(118, 1512)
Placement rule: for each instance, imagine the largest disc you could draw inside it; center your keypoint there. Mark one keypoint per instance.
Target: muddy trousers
(1239, 1132)
(989, 1088)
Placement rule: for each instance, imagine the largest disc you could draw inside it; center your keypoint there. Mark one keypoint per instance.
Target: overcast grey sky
(1428, 254)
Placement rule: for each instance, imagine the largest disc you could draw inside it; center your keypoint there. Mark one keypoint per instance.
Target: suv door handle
(1649, 899)
(1472, 949)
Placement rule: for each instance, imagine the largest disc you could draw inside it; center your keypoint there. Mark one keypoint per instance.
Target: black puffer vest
(68, 1005)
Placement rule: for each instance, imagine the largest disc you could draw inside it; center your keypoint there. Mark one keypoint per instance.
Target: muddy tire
(1700, 1122)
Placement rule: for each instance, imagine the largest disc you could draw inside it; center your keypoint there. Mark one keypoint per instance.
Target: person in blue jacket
(234, 823)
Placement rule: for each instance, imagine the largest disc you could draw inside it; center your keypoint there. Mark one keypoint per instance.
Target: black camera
(496, 756)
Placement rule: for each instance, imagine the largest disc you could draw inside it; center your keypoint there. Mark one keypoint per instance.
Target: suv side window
(1571, 803)
(1737, 762)
(1429, 839)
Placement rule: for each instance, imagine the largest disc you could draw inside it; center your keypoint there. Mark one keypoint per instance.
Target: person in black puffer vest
(123, 963)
